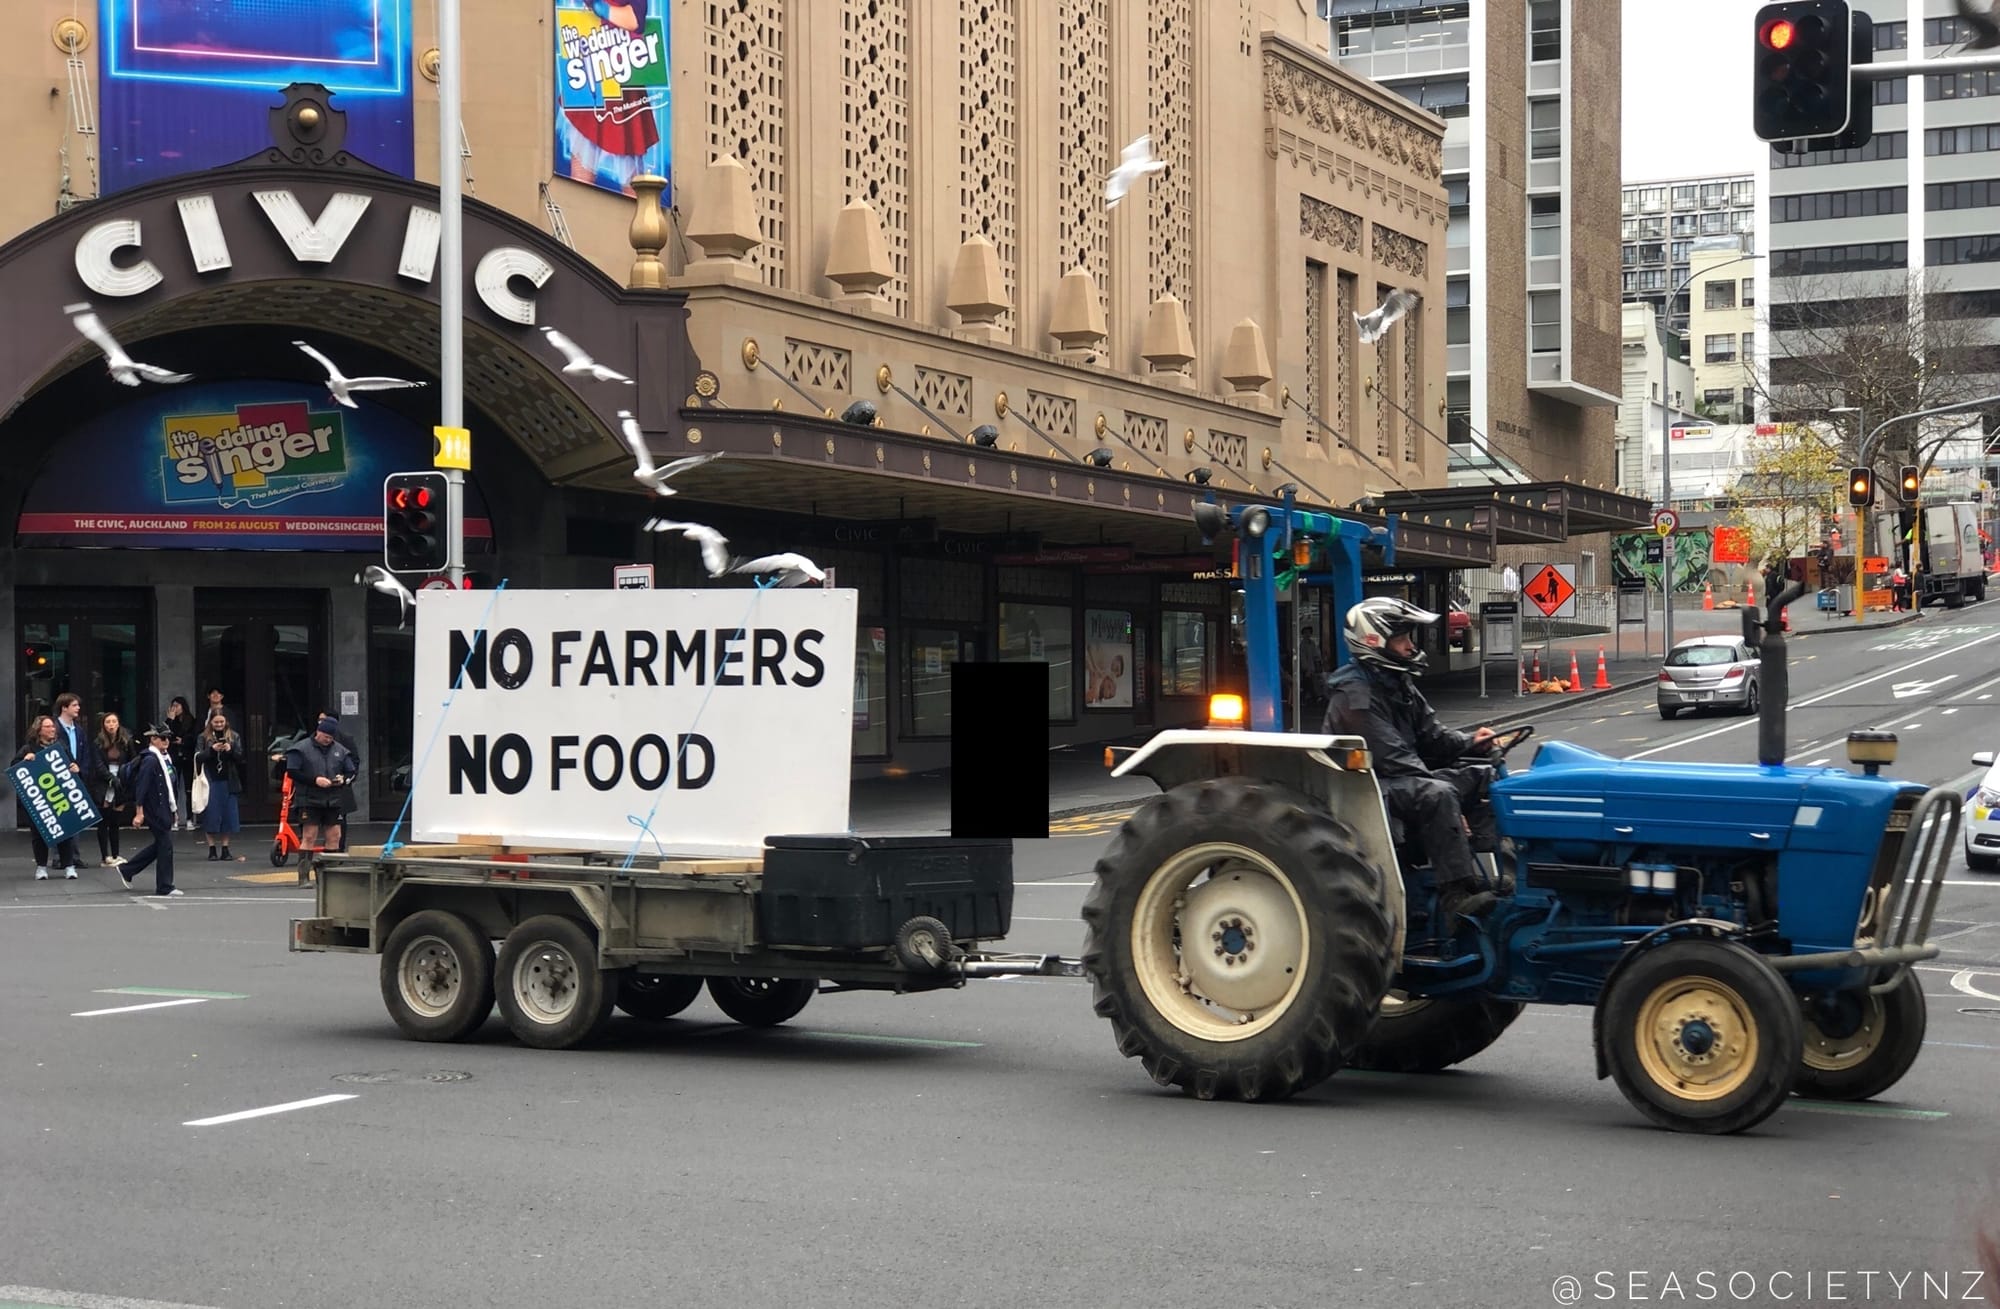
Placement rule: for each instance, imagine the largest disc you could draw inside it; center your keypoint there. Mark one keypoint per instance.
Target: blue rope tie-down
(645, 825)
(392, 845)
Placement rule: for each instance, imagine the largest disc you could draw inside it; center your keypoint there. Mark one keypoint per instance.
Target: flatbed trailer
(580, 933)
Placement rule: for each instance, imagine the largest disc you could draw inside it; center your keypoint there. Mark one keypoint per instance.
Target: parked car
(1982, 818)
(1708, 670)
(1458, 627)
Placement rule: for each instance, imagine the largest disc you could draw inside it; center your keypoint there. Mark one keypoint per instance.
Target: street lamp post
(1666, 443)
(451, 287)
(1860, 511)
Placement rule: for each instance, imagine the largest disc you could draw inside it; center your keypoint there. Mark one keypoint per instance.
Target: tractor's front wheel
(1859, 1045)
(1702, 1036)
(1416, 1035)
(1237, 940)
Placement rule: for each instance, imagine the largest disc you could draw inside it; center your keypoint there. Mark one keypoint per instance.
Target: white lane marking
(1979, 686)
(42, 1295)
(1962, 981)
(1910, 727)
(1817, 762)
(1824, 695)
(135, 1008)
(268, 1109)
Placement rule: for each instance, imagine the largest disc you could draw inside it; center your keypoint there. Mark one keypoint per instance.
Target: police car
(1982, 818)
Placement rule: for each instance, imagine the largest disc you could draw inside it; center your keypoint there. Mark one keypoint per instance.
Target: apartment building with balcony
(1662, 224)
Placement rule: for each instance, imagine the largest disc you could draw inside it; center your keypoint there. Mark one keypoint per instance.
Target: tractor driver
(1415, 756)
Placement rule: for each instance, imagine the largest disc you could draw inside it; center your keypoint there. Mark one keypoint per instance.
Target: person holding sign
(153, 790)
(43, 735)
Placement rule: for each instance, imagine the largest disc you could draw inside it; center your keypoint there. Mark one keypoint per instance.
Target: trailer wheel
(761, 1001)
(1429, 1036)
(551, 991)
(437, 977)
(655, 996)
(924, 945)
(1236, 940)
(1868, 1043)
(1702, 1036)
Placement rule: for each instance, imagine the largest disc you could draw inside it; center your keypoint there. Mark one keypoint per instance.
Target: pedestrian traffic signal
(1860, 487)
(1802, 83)
(413, 523)
(1912, 484)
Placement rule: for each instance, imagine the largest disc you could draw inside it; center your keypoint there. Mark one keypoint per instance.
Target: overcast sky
(1687, 88)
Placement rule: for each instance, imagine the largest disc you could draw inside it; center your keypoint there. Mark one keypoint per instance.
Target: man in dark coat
(1415, 756)
(153, 793)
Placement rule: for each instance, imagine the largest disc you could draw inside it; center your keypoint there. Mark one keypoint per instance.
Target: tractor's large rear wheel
(1860, 1045)
(1237, 941)
(1701, 1036)
(1429, 1036)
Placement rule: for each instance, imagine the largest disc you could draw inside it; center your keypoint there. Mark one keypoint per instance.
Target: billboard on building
(188, 84)
(613, 98)
(229, 466)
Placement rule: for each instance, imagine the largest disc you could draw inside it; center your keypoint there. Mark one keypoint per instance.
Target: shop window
(98, 644)
(1039, 633)
(1183, 653)
(1110, 666)
(930, 653)
(871, 693)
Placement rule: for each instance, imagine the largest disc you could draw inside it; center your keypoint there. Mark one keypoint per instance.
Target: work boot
(1456, 898)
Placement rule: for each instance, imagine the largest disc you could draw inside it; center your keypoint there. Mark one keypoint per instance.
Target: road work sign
(712, 718)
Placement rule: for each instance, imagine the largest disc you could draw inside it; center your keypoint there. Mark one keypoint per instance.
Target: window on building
(1652, 253)
(1652, 279)
(1545, 334)
(871, 693)
(930, 653)
(1947, 31)
(1712, 194)
(1544, 30)
(1545, 131)
(1631, 283)
(1980, 194)
(1458, 327)
(1687, 224)
(1628, 201)
(1747, 349)
(1628, 230)
(1041, 633)
(1817, 206)
(1545, 225)
(1652, 229)
(1718, 295)
(1183, 653)
(1679, 251)
(1714, 224)
(1962, 250)
(1749, 292)
(1742, 194)
(1821, 260)
(1976, 139)
(1652, 199)
(1719, 400)
(1895, 91)
(1883, 145)
(1961, 86)
(1684, 197)
(1891, 36)
(1719, 348)
(1447, 97)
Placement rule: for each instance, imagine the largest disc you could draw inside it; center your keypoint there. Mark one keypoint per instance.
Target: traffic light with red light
(1911, 483)
(1860, 487)
(1802, 86)
(413, 523)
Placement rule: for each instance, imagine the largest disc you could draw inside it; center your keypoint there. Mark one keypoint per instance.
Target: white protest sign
(732, 710)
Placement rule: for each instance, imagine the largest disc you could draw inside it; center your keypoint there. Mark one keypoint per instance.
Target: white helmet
(1371, 625)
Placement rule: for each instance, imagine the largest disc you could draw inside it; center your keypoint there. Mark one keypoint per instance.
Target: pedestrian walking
(110, 788)
(219, 761)
(43, 734)
(322, 770)
(153, 794)
(185, 727)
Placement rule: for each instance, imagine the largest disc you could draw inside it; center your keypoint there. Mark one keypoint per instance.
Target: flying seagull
(646, 473)
(714, 545)
(381, 579)
(339, 387)
(579, 362)
(1377, 324)
(792, 569)
(123, 368)
(1986, 25)
(1133, 164)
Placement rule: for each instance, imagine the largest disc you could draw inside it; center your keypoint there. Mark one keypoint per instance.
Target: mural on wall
(613, 98)
(1691, 560)
(230, 466)
(188, 84)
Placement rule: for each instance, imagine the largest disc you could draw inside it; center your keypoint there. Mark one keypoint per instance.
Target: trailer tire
(1287, 877)
(1430, 1035)
(551, 991)
(437, 977)
(1886, 1037)
(762, 1001)
(653, 997)
(1701, 1035)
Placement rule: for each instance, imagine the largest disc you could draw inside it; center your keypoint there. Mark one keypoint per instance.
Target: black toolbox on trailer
(847, 892)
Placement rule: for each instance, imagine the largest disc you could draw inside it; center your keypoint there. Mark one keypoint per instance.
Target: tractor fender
(1716, 929)
(1315, 765)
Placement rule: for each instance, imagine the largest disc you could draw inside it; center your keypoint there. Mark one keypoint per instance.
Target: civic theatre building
(762, 212)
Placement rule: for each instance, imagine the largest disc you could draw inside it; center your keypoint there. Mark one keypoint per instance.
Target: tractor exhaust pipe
(1773, 678)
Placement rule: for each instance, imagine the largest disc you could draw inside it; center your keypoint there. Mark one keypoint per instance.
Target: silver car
(1708, 670)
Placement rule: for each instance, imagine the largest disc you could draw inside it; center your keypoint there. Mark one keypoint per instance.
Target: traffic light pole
(1868, 445)
(451, 287)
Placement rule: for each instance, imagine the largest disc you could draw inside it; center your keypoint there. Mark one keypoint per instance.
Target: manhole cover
(1983, 1013)
(366, 1077)
(447, 1075)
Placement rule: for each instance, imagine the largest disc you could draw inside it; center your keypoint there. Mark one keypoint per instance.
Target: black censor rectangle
(1000, 750)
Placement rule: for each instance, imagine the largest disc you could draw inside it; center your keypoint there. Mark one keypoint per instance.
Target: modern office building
(1529, 91)
(1661, 224)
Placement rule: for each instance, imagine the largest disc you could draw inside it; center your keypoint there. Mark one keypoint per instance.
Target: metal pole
(1868, 445)
(1861, 527)
(451, 287)
(1666, 471)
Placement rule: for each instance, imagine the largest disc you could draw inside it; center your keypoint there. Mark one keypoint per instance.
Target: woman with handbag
(108, 787)
(218, 781)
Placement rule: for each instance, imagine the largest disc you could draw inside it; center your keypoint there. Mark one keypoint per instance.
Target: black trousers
(1436, 809)
(162, 850)
(108, 831)
(66, 852)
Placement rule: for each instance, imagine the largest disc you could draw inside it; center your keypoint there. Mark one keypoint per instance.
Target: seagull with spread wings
(581, 364)
(1135, 162)
(714, 545)
(790, 569)
(378, 578)
(1985, 25)
(647, 473)
(123, 368)
(340, 387)
(1379, 320)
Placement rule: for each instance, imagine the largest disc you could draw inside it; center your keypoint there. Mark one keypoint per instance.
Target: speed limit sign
(1665, 521)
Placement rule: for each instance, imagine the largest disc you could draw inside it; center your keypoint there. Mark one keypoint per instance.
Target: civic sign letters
(587, 719)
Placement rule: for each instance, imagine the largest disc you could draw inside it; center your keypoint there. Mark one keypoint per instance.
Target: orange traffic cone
(1749, 595)
(1707, 596)
(1575, 674)
(1785, 619)
(1603, 682)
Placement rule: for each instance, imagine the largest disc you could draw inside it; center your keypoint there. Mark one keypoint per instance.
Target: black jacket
(223, 768)
(1402, 731)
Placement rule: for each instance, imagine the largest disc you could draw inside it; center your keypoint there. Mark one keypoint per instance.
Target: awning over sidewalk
(1528, 512)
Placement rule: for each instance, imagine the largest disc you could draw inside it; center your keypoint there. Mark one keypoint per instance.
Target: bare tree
(1873, 342)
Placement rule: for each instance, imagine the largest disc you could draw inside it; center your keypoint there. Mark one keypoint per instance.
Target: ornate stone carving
(1231, 448)
(1296, 91)
(875, 114)
(1055, 415)
(988, 131)
(1403, 253)
(1321, 221)
(1169, 112)
(744, 85)
(819, 367)
(1083, 135)
(1147, 432)
(944, 393)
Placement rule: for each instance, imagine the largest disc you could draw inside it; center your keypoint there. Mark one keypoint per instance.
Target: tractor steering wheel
(1502, 742)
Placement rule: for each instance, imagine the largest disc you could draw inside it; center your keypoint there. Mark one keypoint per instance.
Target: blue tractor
(1742, 931)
